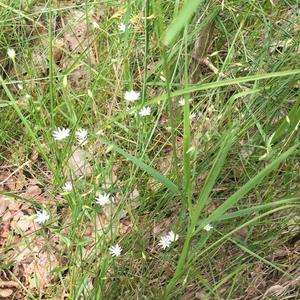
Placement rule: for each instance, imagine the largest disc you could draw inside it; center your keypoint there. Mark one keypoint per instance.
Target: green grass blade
(289, 123)
(252, 183)
(193, 257)
(247, 250)
(201, 87)
(181, 20)
(247, 211)
(205, 192)
(151, 171)
(213, 174)
(27, 125)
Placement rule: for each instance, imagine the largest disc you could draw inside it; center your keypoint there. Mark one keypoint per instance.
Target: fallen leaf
(34, 264)
(275, 290)
(4, 201)
(78, 165)
(5, 293)
(25, 223)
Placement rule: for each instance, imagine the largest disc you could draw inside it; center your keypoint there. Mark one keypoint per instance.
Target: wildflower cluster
(166, 240)
(132, 96)
(61, 134)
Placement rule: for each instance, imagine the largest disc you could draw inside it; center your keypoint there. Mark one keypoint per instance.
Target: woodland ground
(219, 146)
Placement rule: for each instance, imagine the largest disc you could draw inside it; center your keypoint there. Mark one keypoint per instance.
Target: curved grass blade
(252, 183)
(205, 192)
(151, 171)
(181, 20)
(247, 211)
(200, 87)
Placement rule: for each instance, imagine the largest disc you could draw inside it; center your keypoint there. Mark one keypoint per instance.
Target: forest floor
(149, 149)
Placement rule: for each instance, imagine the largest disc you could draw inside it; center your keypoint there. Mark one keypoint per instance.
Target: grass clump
(150, 150)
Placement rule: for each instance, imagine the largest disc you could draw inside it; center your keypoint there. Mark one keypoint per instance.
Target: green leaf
(214, 173)
(181, 20)
(201, 87)
(252, 183)
(247, 211)
(289, 122)
(151, 171)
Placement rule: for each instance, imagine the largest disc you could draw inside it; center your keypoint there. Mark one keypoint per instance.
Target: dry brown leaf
(5, 293)
(160, 227)
(33, 263)
(7, 288)
(76, 41)
(4, 201)
(25, 223)
(14, 205)
(125, 226)
(78, 165)
(275, 290)
(8, 284)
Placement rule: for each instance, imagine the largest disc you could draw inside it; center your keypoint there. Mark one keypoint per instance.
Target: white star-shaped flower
(172, 236)
(41, 217)
(181, 102)
(67, 187)
(103, 199)
(115, 250)
(193, 116)
(145, 111)
(165, 242)
(208, 227)
(11, 53)
(95, 25)
(61, 133)
(123, 27)
(81, 136)
(132, 96)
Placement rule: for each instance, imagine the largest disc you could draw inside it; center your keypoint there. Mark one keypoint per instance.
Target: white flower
(103, 199)
(90, 93)
(115, 250)
(95, 25)
(65, 81)
(207, 227)
(172, 236)
(67, 187)
(145, 111)
(123, 27)
(11, 53)
(20, 86)
(41, 217)
(165, 242)
(81, 136)
(131, 96)
(61, 133)
(181, 102)
(192, 116)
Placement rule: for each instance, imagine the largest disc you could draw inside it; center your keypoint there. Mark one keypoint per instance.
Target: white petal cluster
(123, 27)
(145, 111)
(115, 250)
(166, 240)
(193, 116)
(67, 187)
(103, 199)
(11, 53)
(181, 102)
(61, 133)
(81, 136)
(207, 227)
(41, 217)
(131, 96)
